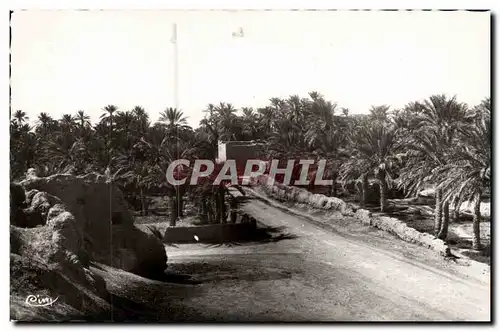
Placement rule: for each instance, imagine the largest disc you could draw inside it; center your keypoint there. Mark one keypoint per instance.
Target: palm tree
(373, 152)
(109, 112)
(468, 173)
(139, 112)
(174, 122)
(173, 117)
(225, 115)
(22, 148)
(379, 113)
(20, 117)
(82, 119)
(438, 120)
(45, 126)
(124, 122)
(439, 110)
(267, 116)
(288, 140)
(328, 145)
(427, 151)
(66, 153)
(160, 150)
(107, 117)
(141, 121)
(67, 122)
(137, 176)
(325, 136)
(295, 107)
(289, 122)
(277, 103)
(407, 119)
(209, 131)
(250, 123)
(44, 120)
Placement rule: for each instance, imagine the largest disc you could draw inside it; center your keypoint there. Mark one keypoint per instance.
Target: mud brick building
(241, 151)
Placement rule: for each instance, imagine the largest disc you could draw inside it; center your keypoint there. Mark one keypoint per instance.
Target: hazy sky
(64, 61)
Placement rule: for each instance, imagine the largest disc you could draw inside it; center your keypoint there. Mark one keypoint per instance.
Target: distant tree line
(438, 141)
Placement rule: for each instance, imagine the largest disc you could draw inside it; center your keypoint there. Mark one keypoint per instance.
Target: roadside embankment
(392, 225)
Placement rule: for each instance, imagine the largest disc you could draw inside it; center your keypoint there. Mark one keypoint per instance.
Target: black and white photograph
(243, 166)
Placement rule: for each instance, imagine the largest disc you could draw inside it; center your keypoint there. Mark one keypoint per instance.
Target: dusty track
(320, 275)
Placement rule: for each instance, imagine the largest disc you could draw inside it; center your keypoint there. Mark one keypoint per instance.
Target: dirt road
(317, 275)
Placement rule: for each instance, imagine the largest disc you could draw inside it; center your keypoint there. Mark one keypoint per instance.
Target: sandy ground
(315, 268)
(319, 275)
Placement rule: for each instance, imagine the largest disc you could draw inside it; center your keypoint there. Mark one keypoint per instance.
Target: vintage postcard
(250, 165)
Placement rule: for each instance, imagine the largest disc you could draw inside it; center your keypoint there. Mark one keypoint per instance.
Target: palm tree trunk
(218, 208)
(173, 210)
(383, 190)
(181, 206)
(443, 232)
(222, 202)
(203, 206)
(202, 211)
(233, 205)
(438, 211)
(364, 189)
(110, 137)
(456, 210)
(333, 187)
(143, 202)
(476, 236)
(210, 213)
(180, 201)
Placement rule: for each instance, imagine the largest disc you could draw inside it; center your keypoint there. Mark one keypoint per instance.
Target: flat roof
(237, 142)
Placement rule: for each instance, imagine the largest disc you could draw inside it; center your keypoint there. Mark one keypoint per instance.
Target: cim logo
(40, 300)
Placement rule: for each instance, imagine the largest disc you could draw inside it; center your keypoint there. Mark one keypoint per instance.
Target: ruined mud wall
(60, 225)
(241, 151)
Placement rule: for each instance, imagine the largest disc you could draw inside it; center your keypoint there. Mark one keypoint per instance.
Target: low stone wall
(211, 233)
(392, 225)
(295, 194)
(404, 232)
(243, 228)
(365, 216)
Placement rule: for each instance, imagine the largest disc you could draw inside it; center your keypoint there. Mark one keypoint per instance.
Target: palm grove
(438, 141)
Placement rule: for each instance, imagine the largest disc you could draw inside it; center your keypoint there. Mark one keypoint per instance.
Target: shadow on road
(261, 235)
(177, 278)
(483, 255)
(216, 270)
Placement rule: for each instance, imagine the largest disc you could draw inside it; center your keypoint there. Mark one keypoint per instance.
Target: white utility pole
(176, 65)
(176, 98)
